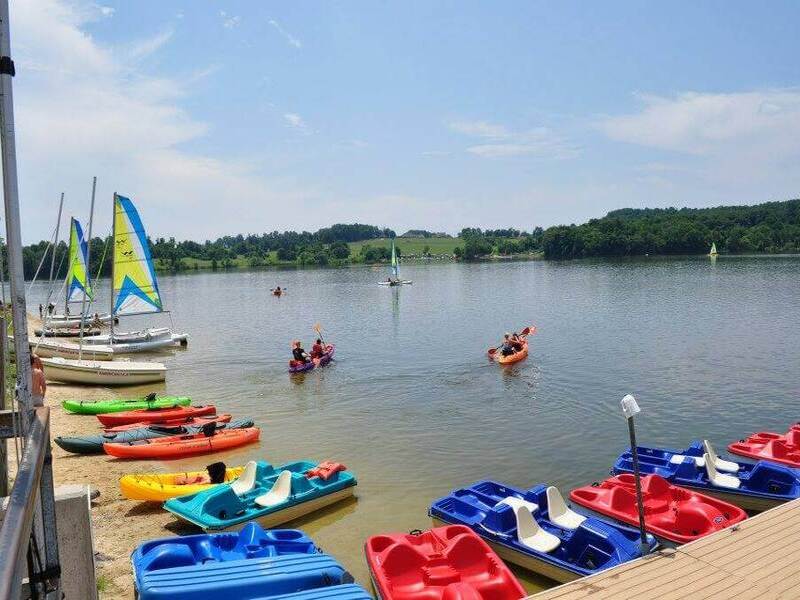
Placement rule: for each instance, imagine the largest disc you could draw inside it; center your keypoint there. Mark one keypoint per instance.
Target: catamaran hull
(152, 339)
(64, 322)
(88, 372)
(149, 346)
(49, 349)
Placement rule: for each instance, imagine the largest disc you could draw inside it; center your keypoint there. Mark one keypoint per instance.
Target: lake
(412, 405)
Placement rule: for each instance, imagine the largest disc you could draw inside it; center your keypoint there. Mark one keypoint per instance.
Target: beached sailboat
(395, 277)
(77, 284)
(713, 252)
(134, 285)
(95, 372)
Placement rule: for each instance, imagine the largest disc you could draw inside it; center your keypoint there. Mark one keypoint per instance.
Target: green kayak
(111, 406)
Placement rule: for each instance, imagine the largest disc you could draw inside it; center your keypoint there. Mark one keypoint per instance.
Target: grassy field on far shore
(438, 245)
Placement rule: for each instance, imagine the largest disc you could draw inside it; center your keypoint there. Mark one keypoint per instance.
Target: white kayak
(93, 372)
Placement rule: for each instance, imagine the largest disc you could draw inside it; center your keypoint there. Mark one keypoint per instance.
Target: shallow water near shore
(412, 405)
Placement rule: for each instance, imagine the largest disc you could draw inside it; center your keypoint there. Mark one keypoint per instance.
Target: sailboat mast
(88, 258)
(55, 244)
(113, 263)
(69, 264)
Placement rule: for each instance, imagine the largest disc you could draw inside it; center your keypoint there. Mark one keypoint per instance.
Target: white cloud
(498, 141)
(84, 109)
(293, 41)
(229, 21)
(106, 11)
(296, 122)
(143, 48)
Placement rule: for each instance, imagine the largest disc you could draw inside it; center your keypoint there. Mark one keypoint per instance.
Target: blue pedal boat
(535, 529)
(753, 487)
(264, 493)
(281, 563)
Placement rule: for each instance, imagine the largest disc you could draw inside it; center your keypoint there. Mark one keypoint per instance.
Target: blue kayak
(93, 444)
(251, 564)
(754, 487)
(271, 495)
(519, 526)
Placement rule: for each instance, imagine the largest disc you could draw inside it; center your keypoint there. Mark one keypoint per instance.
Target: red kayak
(189, 421)
(774, 447)
(179, 446)
(446, 563)
(157, 414)
(670, 512)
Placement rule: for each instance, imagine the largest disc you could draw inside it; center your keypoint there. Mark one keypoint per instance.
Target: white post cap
(629, 406)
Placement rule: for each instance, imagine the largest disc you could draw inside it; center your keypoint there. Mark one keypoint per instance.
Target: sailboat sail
(135, 284)
(394, 262)
(77, 271)
(713, 251)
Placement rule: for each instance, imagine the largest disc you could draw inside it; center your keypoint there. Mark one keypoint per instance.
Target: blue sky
(228, 117)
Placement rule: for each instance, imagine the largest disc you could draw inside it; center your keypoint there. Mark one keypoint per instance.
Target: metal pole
(16, 275)
(88, 259)
(55, 244)
(113, 261)
(3, 446)
(644, 545)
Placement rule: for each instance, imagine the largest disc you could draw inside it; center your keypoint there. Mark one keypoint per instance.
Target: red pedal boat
(179, 446)
(670, 512)
(158, 414)
(445, 563)
(189, 421)
(774, 447)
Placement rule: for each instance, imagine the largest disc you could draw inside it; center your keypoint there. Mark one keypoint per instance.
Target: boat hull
(87, 372)
(53, 349)
(64, 322)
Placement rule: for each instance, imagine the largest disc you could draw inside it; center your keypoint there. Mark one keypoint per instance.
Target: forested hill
(773, 227)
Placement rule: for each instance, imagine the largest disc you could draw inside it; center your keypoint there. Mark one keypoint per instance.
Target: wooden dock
(758, 558)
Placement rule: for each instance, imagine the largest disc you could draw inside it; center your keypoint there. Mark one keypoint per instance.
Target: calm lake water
(412, 405)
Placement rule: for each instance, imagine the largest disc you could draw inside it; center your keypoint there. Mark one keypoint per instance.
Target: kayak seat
(530, 534)
(280, 492)
(720, 479)
(246, 481)
(559, 512)
(721, 465)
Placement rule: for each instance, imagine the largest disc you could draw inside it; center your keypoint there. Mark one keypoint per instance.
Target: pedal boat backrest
(559, 512)
(280, 492)
(246, 481)
(721, 465)
(720, 479)
(529, 533)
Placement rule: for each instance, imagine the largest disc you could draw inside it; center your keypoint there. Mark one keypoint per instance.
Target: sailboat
(395, 277)
(134, 285)
(96, 372)
(77, 283)
(713, 252)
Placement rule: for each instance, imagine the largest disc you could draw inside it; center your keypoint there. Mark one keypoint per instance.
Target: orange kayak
(178, 446)
(514, 358)
(152, 415)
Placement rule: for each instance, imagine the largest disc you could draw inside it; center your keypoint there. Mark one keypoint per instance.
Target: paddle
(318, 329)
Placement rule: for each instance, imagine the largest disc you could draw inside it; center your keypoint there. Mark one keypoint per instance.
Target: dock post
(629, 409)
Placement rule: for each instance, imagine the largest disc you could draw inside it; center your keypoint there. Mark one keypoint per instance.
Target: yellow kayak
(160, 487)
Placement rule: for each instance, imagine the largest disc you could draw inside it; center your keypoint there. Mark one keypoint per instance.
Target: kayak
(153, 415)
(753, 487)
(774, 447)
(534, 529)
(82, 407)
(327, 356)
(249, 564)
(179, 446)
(445, 562)
(513, 358)
(189, 421)
(93, 444)
(160, 487)
(268, 494)
(671, 513)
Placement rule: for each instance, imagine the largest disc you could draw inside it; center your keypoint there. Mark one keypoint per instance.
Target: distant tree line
(505, 242)
(773, 227)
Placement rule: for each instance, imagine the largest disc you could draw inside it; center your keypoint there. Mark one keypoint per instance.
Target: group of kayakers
(300, 355)
(512, 343)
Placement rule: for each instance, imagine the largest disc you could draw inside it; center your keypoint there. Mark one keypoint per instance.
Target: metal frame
(31, 496)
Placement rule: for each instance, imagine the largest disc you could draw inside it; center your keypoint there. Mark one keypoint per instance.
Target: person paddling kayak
(317, 350)
(298, 353)
(507, 347)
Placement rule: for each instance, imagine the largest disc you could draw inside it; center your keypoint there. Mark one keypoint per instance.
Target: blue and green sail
(77, 271)
(135, 284)
(395, 269)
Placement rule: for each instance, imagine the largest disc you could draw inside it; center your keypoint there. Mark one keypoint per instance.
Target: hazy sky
(228, 117)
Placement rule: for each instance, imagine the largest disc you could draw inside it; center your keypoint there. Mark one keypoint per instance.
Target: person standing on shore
(41, 311)
(38, 381)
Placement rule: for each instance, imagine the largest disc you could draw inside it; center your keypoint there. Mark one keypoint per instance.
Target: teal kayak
(102, 407)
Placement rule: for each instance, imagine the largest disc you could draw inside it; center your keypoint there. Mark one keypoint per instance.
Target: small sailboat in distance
(713, 252)
(395, 277)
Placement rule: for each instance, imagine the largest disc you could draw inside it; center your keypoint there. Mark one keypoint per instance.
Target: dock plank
(755, 559)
